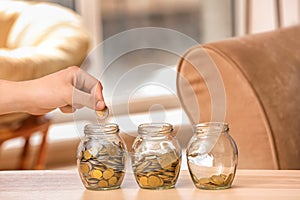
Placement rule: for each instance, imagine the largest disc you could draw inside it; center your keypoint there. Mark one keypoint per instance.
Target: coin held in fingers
(102, 114)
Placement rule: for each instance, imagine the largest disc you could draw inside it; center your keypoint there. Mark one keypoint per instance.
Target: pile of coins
(214, 181)
(102, 168)
(157, 171)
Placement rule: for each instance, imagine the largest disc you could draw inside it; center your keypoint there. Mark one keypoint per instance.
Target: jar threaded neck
(211, 128)
(155, 129)
(105, 128)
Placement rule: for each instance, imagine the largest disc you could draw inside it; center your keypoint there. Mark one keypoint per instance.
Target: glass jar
(156, 156)
(212, 156)
(101, 157)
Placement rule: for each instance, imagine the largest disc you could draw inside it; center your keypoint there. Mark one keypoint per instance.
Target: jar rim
(101, 128)
(211, 127)
(156, 128)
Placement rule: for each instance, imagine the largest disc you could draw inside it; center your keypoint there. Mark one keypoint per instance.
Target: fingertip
(100, 105)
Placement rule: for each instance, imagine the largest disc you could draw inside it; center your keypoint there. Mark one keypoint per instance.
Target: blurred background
(202, 20)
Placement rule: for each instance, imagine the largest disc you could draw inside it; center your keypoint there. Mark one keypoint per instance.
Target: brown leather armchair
(261, 78)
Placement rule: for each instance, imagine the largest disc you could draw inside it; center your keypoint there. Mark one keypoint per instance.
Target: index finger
(87, 91)
(85, 82)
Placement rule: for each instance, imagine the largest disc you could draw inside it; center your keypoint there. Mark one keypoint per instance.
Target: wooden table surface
(248, 184)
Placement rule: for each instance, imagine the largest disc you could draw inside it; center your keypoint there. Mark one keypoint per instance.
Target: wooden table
(248, 184)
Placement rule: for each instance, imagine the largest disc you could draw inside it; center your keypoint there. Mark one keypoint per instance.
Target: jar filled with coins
(101, 157)
(156, 156)
(212, 156)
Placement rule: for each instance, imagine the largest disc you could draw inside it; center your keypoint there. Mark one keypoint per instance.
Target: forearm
(13, 97)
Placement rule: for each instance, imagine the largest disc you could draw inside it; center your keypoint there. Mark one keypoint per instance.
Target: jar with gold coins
(101, 157)
(212, 156)
(156, 156)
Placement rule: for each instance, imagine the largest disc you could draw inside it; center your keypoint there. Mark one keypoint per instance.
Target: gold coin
(203, 181)
(102, 184)
(87, 155)
(154, 181)
(217, 180)
(163, 176)
(102, 114)
(84, 168)
(96, 174)
(195, 178)
(169, 173)
(118, 174)
(120, 178)
(171, 168)
(228, 179)
(209, 186)
(101, 168)
(223, 176)
(107, 174)
(177, 169)
(144, 181)
(112, 170)
(152, 173)
(112, 181)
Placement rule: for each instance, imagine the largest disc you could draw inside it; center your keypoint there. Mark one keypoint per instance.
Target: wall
(263, 15)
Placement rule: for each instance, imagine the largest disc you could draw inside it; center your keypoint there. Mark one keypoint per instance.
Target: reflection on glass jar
(101, 157)
(156, 156)
(212, 156)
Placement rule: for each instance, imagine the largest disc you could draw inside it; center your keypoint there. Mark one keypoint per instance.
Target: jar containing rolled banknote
(101, 157)
(156, 156)
(212, 156)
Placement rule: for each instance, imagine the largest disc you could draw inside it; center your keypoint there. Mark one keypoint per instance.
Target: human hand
(68, 90)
